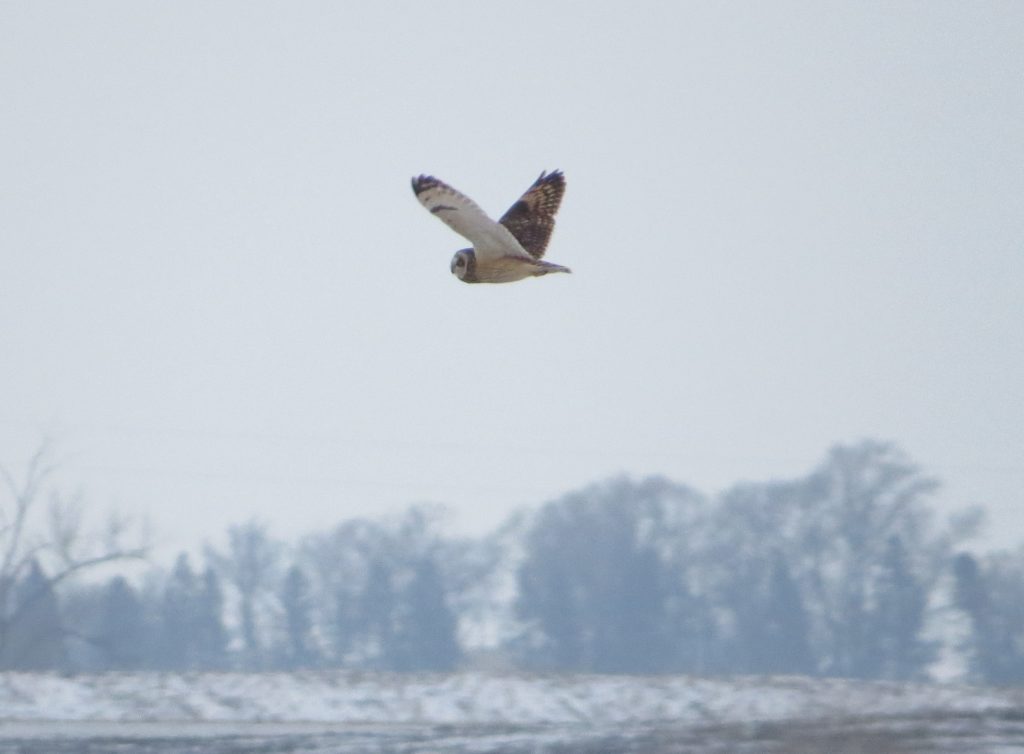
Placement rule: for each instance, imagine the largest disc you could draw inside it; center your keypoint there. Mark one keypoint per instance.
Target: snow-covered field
(350, 712)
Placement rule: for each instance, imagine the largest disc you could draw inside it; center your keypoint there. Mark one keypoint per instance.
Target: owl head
(464, 265)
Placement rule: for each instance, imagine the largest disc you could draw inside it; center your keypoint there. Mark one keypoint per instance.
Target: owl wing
(460, 213)
(532, 218)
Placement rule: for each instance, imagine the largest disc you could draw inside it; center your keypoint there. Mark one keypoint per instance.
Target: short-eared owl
(503, 251)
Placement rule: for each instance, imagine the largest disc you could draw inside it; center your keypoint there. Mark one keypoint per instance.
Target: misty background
(843, 572)
(791, 228)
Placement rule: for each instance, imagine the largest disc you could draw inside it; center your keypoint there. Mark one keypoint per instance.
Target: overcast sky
(790, 225)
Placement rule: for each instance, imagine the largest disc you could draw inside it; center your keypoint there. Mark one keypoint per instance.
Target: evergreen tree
(296, 600)
(695, 637)
(785, 645)
(35, 635)
(123, 633)
(178, 619)
(345, 625)
(211, 639)
(425, 636)
(364, 618)
(546, 600)
(993, 598)
(971, 595)
(375, 622)
(632, 615)
(898, 618)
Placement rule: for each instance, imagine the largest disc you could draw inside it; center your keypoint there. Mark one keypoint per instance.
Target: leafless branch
(57, 540)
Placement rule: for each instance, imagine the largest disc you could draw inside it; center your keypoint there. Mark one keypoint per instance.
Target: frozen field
(473, 712)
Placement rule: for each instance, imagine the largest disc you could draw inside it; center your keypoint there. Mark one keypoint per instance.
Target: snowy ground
(476, 712)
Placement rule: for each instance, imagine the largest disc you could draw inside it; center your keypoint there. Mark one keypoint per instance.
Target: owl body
(503, 251)
(504, 269)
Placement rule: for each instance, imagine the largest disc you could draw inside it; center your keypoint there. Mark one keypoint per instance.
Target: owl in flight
(504, 251)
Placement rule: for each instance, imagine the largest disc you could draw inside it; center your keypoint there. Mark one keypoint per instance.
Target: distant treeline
(843, 572)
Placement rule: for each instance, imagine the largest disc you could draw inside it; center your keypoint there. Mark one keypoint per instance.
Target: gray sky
(790, 224)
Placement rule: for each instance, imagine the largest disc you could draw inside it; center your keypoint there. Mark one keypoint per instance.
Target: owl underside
(510, 269)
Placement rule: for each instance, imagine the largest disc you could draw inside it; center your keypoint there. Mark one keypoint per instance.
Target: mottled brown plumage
(532, 218)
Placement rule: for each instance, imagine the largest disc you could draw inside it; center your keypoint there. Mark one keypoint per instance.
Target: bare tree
(250, 564)
(47, 541)
(860, 541)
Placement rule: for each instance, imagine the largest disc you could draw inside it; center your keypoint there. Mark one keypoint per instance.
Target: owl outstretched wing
(532, 218)
(461, 214)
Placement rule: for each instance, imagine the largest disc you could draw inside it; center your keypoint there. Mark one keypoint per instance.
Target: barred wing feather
(532, 219)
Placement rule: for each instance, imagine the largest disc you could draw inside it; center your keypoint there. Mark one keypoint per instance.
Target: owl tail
(546, 267)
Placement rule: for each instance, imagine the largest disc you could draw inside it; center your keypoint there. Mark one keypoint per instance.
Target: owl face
(464, 265)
